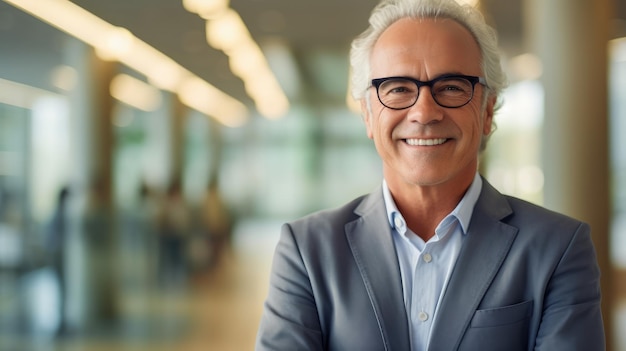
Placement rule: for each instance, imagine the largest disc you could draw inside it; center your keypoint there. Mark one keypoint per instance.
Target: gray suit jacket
(525, 279)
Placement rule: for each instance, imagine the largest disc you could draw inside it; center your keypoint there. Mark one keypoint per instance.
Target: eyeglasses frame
(377, 82)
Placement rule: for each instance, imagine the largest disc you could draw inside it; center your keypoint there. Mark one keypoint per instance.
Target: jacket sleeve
(290, 320)
(572, 318)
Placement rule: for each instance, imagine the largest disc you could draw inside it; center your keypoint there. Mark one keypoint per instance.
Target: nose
(425, 110)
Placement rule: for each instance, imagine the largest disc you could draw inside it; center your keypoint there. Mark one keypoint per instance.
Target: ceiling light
(112, 42)
(227, 31)
(207, 99)
(117, 44)
(207, 9)
(135, 93)
(245, 60)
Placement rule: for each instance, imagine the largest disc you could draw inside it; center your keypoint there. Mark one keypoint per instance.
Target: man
(436, 259)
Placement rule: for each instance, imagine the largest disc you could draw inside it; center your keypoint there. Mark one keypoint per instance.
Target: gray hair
(390, 11)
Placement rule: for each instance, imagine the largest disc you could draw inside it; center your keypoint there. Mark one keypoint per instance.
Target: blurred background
(151, 149)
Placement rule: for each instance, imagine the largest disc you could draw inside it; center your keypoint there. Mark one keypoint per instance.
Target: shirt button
(427, 258)
(423, 316)
(398, 222)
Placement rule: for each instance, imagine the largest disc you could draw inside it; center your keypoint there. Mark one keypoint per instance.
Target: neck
(424, 207)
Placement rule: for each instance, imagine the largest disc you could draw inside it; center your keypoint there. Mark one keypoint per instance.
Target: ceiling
(316, 33)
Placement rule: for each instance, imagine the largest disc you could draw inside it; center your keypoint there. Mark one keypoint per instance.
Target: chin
(428, 177)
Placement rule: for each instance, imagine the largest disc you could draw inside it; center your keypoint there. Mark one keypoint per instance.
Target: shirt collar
(463, 211)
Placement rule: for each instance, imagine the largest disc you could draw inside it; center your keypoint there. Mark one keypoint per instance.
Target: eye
(397, 87)
(400, 89)
(453, 86)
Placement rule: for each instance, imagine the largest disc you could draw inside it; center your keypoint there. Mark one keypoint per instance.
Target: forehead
(426, 46)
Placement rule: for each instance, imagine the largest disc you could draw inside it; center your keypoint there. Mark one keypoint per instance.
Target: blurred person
(144, 222)
(140, 243)
(11, 252)
(55, 243)
(218, 222)
(148, 208)
(173, 230)
(436, 258)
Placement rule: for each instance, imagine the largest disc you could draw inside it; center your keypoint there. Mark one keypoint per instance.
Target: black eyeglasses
(449, 91)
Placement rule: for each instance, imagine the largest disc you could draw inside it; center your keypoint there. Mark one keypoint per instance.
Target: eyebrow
(442, 75)
(446, 74)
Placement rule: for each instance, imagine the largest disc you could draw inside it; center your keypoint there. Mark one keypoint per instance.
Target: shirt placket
(423, 294)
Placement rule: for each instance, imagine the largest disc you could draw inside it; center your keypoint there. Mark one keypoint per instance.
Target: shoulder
(520, 213)
(327, 220)
(317, 240)
(526, 214)
(547, 235)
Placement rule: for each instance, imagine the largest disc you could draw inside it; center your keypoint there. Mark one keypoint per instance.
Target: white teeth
(425, 142)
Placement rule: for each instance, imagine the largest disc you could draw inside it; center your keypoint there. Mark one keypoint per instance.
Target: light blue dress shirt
(426, 266)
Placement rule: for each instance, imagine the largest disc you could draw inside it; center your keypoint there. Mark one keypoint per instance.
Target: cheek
(375, 123)
(482, 121)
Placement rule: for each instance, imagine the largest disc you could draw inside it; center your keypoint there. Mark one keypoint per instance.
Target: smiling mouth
(425, 142)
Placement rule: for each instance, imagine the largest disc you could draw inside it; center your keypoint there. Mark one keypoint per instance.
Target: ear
(489, 110)
(367, 117)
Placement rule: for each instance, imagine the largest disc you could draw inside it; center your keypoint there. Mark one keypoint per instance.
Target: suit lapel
(486, 246)
(372, 247)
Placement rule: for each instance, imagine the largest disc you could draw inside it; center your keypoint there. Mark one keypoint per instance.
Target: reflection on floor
(218, 311)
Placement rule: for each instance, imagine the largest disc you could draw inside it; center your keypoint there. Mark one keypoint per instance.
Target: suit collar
(462, 212)
(372, 247)
(481, 256)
